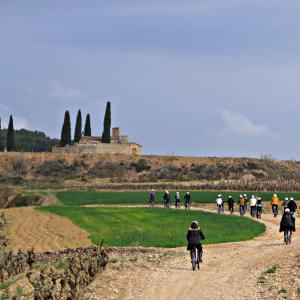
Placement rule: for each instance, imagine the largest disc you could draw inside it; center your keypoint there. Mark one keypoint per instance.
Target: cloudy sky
(203, 78)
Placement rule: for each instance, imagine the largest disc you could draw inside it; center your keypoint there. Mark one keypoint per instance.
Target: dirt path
(43, 231)
(229, 271)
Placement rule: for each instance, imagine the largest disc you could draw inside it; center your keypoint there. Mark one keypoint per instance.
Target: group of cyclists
(195, 234)
(167, 199)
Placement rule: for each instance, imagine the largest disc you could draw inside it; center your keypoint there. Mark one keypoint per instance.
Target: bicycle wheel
(194, 261)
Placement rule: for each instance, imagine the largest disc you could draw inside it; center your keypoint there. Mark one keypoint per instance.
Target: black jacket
(230, 201)
(194, 236)
(287, 222)
(292, 206)
(187, 197)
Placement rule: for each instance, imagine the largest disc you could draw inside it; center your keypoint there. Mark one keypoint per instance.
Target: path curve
(43, 231)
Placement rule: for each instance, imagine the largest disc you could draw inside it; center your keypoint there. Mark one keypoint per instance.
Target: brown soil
(229, 271)
(43, 231)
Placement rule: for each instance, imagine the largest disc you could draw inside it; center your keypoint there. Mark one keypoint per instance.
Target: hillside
(31, 141)
(109, 171)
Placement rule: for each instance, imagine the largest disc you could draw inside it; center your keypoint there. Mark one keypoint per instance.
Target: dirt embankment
(85, 170)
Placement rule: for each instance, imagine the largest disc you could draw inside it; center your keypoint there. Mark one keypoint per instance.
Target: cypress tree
(106, 124)
(10, 143)
(1, 141)
(87, 127)
(66, 131)
(78, 128)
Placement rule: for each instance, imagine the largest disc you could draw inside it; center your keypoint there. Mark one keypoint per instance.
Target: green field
(141, 197)
(156, 227)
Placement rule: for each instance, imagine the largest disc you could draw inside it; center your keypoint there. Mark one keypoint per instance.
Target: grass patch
(155, 227)
(142, 197)
(62, 264)
(282, 291)
(271, 270)
(298, 290)
(261, 280)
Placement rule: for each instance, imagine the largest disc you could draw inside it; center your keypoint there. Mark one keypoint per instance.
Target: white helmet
(245, 195)
(187, 193)
(167, 192)
(252, 196)
(275, 195)
(287, 210)
(286, 198)
(241, 196)
(292, 199)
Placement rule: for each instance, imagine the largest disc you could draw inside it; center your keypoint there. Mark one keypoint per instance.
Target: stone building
(119, 144)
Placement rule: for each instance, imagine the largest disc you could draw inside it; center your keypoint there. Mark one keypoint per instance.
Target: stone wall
(101, 148)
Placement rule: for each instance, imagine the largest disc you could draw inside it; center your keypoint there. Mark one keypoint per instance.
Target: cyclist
(259, 206)
(275, 202)
(219, 202)
(286, 222)
(253, 201)
(241, 202)
(230, 203)
(293, 208)
(177, 200)
(246, 201)
(166, 199)
(285, 203)
(187, 199)
(152, 198)
(194, 235)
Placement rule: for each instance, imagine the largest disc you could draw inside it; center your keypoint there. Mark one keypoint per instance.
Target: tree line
(10, 136)
(66, 138)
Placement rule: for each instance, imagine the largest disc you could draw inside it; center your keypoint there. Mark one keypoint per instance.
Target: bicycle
(287, 236)
(195, 258)
(275, 210)
(151, 204)
(219, 208)
(231, 210)
(187, 205)
(242, 210)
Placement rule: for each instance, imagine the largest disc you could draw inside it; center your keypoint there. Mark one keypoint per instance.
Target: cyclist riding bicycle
(166, 199)
(194, 236)
(259, 206)
(187, 199)
(152, 198)
(230, 203)
(274, 203)
(286, 222)
(253, 201)
(293, 208)
(285, 203)
(242, 203)
(177, 200)
(219, 202)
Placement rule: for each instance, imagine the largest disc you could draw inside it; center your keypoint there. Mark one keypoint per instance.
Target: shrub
(142, 165)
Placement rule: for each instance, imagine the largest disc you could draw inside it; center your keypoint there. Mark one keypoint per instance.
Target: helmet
(194, 225)
(286, 198)
(252, 196)
(188, 193)
(167, 192)
(275, 195)
(241, 196)
(259, 198)
(245, 195)
(152, 190)
(292, 199)
(229, 197)
(219, 195)
(287, 210)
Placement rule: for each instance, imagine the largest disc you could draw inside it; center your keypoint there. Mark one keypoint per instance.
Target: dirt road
(43, 231)
(229, 271)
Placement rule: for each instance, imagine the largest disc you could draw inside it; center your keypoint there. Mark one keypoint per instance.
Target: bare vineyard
(49, 282)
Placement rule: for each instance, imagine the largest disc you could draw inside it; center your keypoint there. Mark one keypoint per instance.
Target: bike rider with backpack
(286, 222)
(187, 199)
(194, 236)
(230, 203)
(242, 203)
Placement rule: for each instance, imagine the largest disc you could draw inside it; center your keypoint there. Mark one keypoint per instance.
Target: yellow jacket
(275, 201)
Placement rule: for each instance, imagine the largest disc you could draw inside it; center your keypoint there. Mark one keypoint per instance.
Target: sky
(199, 78)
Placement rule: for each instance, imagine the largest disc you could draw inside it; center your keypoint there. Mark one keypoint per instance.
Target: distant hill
(31, 141)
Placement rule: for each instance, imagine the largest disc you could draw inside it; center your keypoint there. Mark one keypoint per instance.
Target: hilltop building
(119, 144)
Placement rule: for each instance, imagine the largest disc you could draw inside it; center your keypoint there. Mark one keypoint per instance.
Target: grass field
(141, 197)
(156, 227)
